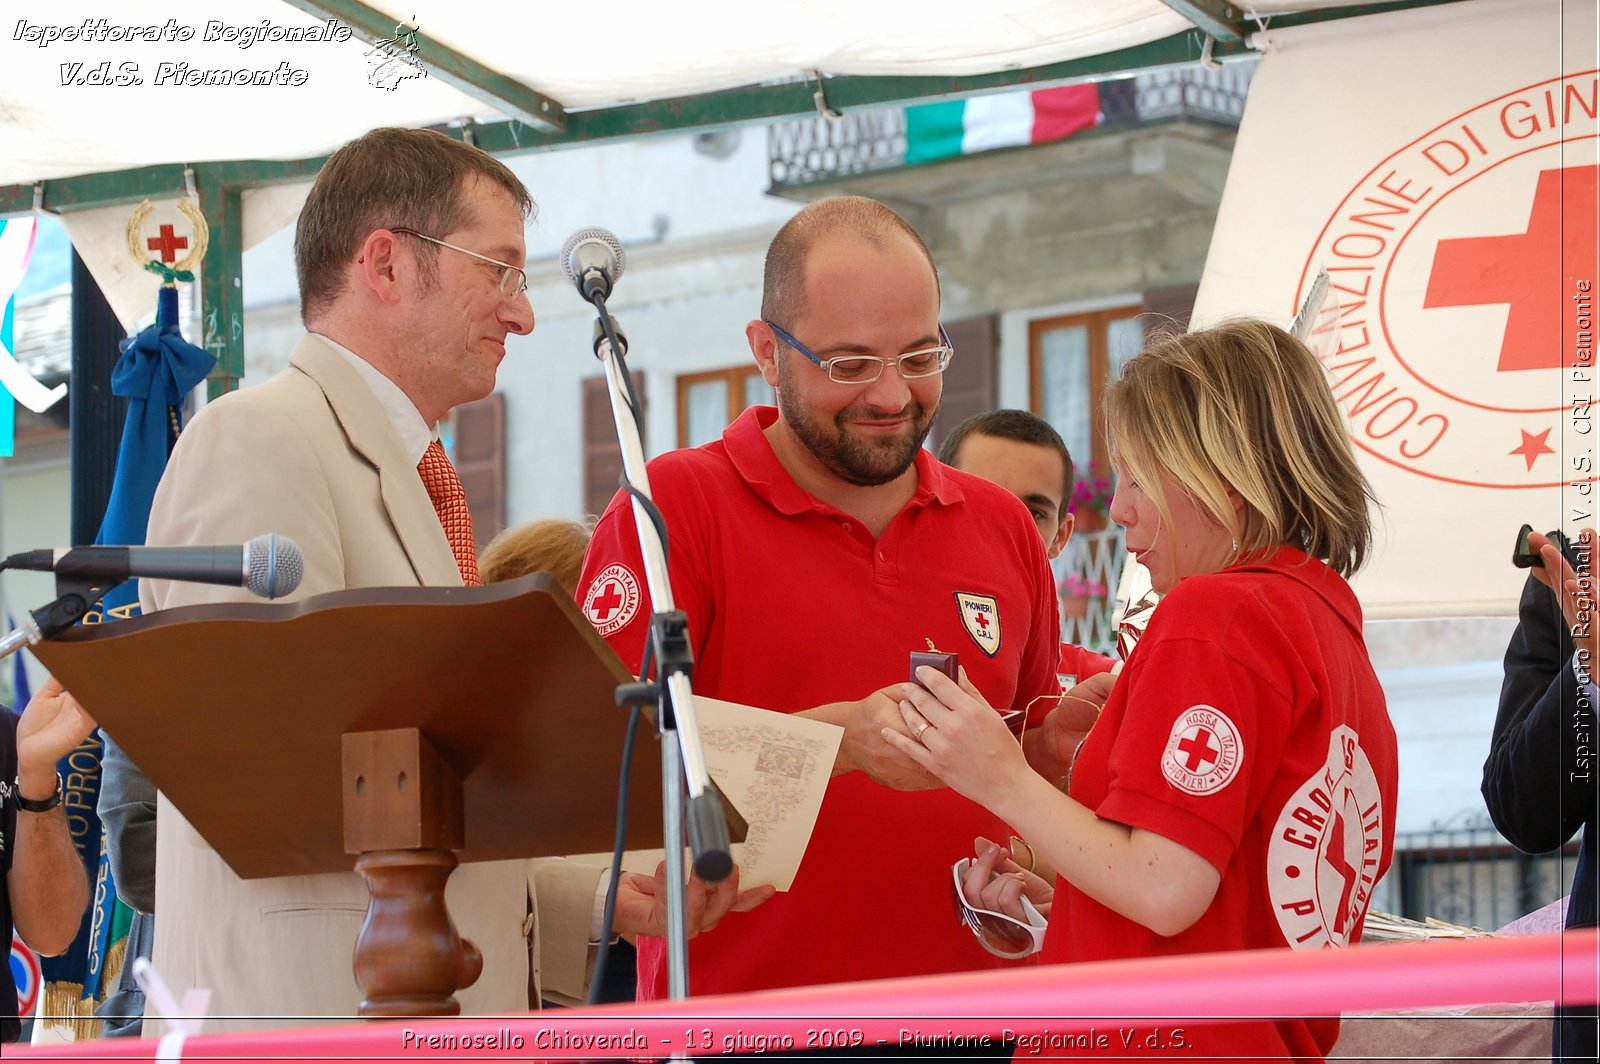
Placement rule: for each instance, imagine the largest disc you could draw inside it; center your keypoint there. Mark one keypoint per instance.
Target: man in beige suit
(409, 253)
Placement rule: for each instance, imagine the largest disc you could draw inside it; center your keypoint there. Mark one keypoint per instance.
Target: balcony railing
(1464, 872)
(812, 149)
(1087, 574)
(869, 141)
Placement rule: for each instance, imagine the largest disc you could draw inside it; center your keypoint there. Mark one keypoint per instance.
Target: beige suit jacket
(311, 455)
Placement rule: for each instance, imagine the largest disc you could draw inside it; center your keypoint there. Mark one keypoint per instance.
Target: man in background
(1022, 453)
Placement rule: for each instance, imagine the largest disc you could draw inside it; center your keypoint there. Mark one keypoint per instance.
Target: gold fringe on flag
(65, 1006)
(115, 955)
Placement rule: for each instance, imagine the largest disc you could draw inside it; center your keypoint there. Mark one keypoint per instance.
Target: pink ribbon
(1031, 1000)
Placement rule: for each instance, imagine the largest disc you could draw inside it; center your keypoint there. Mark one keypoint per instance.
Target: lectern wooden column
(413, 727)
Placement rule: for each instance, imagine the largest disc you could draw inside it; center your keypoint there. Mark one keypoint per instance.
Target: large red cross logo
(983, 622)
(168, 244)
(608, 601)
(1534, 271)
(1199, 750)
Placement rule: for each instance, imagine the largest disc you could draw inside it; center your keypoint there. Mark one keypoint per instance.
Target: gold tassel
(115, 955)
(65, 1006)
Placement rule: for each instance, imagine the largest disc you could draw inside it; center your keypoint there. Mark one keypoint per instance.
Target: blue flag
(21, 691)
(24, 962)
(8, 406)
(157, 369)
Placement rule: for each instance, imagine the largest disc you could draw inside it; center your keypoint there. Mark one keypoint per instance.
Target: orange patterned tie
(450, 503)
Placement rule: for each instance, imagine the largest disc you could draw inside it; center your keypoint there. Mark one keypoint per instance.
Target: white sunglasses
(1004, 936)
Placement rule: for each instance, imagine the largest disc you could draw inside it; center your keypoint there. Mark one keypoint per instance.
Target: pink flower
(1091, 490)
(1076, 585)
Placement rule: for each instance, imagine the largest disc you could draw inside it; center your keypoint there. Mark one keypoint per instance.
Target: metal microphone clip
(600, 338)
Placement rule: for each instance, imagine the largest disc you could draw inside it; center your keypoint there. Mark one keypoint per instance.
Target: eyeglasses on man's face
(864, 369)
(512, 280)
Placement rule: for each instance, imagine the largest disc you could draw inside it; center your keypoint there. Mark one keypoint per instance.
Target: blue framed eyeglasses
(864, 369)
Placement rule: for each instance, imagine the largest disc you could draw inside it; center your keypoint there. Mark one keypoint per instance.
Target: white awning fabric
(73, 106)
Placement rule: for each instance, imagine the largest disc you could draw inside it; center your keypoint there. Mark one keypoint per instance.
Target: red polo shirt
(792, 604)
(1083, 662)
(1249, 727)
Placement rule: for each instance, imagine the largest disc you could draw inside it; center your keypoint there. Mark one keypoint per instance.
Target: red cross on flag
(167, 244)
(1450, 188)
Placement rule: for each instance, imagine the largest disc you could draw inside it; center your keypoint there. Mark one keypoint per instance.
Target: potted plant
(1077, 593)
(1091, 492)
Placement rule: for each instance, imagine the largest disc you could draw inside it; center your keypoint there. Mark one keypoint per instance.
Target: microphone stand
(75, 597)
(683, 762)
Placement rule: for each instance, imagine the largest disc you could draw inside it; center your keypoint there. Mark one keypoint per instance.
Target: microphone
(592, 259)
(269, 565)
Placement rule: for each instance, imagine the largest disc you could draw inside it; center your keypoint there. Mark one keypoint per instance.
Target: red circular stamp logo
(1463, 271)
(613, 599)
(1204, 752)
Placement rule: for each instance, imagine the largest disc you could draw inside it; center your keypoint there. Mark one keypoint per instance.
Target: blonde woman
(1238, 791)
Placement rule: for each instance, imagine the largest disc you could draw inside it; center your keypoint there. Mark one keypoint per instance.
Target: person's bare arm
(47, 885)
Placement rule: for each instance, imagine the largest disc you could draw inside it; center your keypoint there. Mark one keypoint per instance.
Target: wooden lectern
(411, 727)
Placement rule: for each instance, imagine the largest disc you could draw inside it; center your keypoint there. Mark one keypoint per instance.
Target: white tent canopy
(57, 119)
(96, 89)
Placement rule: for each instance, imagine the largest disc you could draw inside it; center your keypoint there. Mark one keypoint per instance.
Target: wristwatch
(40, 805)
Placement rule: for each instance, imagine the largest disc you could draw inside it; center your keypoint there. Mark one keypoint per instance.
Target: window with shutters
(475, 437)
(971, 381)
(1071, 358)
(602, 455)
(708, 402)
(1167, 310)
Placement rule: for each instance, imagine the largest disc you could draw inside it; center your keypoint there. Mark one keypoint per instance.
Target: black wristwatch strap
(42, 805)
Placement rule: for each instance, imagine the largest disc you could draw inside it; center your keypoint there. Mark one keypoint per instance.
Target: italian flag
(1001, 120)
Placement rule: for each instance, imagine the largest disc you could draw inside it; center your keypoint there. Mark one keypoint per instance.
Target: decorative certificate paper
(774, 768)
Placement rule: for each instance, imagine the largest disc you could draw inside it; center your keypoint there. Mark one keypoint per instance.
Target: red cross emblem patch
(1204, 752)
(613, 599)
(980, 616)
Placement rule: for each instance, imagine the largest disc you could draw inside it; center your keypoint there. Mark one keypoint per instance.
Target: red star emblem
(1533, 446)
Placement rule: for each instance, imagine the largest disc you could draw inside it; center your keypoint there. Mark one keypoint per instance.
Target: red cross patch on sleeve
(1204, 752)
(613, 599)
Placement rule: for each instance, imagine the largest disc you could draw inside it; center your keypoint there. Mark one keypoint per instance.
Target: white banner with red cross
(1441, 164)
